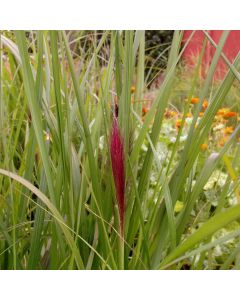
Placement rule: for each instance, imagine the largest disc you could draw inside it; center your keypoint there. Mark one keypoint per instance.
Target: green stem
(121, 251)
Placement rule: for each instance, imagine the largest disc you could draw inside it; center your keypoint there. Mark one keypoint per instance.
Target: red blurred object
(117, 159)
(193, 49)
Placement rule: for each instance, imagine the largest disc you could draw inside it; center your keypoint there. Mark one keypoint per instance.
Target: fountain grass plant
(76, 187)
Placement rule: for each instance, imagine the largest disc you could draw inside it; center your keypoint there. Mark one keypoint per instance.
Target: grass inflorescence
(101, 170)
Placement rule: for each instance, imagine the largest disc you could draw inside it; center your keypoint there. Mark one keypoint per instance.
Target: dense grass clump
(95, 175)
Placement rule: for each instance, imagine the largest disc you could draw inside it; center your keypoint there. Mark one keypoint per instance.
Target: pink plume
(117, 159)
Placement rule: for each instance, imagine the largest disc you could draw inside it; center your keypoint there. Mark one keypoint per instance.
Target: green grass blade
(207, 229)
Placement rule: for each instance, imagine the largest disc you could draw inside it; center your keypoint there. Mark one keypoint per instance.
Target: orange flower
(205, 104)
(228, 129)
(133, 89)
(226, 113)
(230, 114)
(144, 110)
(178, 123)
(222, 111)
(204, 147)
(194, 100)
(223, 140)
(201, 114)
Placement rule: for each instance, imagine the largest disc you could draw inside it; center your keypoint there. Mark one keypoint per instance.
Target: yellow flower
(204, 147)
(228, 129)
(133, 89)
(189, 115)
(170, 114)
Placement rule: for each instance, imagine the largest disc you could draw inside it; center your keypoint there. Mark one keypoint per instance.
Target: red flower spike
(117, 159)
